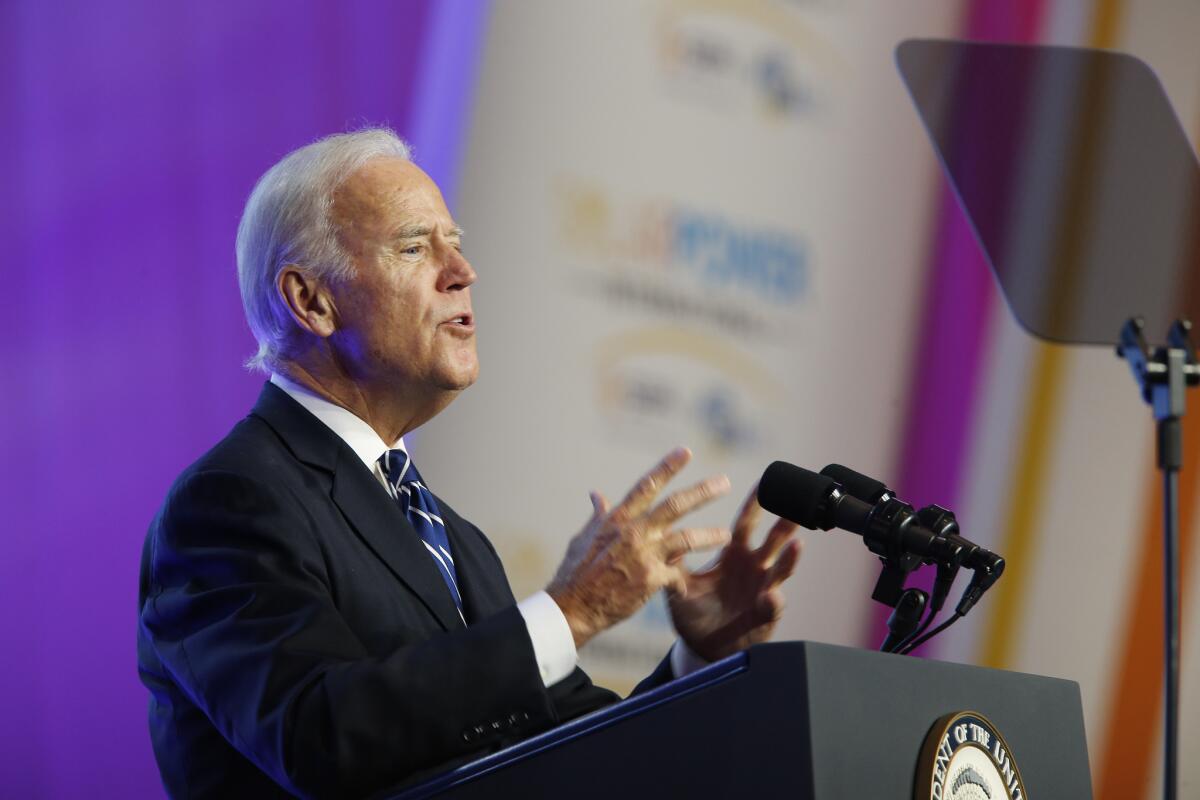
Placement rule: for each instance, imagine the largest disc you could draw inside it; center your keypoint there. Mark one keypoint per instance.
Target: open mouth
(463, 321)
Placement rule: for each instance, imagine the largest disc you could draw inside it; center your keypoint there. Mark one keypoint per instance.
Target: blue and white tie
(418, 504)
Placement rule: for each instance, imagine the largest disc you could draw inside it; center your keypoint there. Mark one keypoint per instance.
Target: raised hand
(737, 601)
(623, 556)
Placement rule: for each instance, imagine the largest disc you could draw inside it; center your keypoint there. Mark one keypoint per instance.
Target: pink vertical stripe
(952, 343)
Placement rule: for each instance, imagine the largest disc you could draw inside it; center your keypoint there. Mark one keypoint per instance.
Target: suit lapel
(481, 579)
(377, 519)
(364, 503)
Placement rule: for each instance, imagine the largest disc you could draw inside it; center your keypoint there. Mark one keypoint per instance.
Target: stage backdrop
(721, 224)
(698, 222)
(697, 235)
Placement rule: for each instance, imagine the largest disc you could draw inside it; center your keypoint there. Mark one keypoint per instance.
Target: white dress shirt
(553, 643)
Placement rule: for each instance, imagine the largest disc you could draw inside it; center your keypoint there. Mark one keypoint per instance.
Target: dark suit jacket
(295, 635)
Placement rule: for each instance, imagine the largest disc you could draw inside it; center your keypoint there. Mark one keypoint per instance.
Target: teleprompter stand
(1083, 191)
(1163, 375)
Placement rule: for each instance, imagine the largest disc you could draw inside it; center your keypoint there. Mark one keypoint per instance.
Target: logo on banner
(685, 386)
(739, 53)
(966, 758)
(679, 261)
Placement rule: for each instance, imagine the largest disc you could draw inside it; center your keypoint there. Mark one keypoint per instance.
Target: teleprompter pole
(1164, 376)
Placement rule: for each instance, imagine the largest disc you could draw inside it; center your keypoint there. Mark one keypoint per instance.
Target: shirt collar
(353, 430)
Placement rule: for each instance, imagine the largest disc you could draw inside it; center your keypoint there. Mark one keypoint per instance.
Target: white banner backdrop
(696, 223)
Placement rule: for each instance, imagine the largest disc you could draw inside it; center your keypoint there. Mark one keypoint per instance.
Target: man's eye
(413, 250)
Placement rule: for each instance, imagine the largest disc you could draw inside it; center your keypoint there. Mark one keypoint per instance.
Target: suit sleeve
(240, 613)
(574, 695)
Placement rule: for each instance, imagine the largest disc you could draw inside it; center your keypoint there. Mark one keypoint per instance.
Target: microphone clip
(904, 540)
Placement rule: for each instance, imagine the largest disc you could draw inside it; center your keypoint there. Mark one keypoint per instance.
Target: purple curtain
(132, 134)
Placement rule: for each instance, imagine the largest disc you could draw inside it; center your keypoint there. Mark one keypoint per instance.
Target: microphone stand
(1164, 375)
(903, 622)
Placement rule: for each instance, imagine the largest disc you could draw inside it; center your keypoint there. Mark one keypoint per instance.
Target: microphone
(934, 517)
(889, 528)
(986, 565)
(855, 483)
(804, 497)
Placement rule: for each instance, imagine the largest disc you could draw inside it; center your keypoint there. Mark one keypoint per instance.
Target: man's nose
(457, 272)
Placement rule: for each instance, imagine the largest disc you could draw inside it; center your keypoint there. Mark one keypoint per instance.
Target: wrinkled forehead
(385, 193)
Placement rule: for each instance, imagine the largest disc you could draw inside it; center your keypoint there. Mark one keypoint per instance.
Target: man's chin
(461, 381)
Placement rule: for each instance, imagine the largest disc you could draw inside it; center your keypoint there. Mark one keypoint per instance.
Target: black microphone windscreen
(856, 484)
(794, 493)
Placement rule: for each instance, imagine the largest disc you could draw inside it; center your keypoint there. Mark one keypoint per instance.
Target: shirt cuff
(553, 642)
(684, 661)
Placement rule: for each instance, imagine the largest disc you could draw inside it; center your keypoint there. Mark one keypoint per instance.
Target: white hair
(286, 222)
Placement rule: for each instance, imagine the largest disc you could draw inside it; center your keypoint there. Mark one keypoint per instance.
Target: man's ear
(308, 299)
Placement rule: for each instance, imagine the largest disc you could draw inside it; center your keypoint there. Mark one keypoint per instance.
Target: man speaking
(314, 620)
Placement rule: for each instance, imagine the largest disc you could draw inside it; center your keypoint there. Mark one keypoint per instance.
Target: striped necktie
(417, 502)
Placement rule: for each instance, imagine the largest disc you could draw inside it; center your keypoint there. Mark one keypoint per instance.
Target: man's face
(404, 320)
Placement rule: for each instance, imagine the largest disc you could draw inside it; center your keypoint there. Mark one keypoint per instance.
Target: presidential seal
(966, 758)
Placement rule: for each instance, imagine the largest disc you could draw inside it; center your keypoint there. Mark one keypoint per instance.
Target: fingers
(779, 535)
(747, 518)
(647, 488)
(770, 605)
(677, 544)
(687, 500)
(676, 582)
(783, 568)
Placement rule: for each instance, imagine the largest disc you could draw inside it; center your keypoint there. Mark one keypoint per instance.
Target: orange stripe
(1007, 605)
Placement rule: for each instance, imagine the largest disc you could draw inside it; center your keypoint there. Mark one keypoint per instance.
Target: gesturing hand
(622, 557)
(737, 601)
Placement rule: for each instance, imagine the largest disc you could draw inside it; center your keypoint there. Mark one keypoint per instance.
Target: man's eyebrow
(423, 231)
(412, 232)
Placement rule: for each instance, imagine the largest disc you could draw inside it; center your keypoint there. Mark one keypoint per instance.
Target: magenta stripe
(949, 362)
